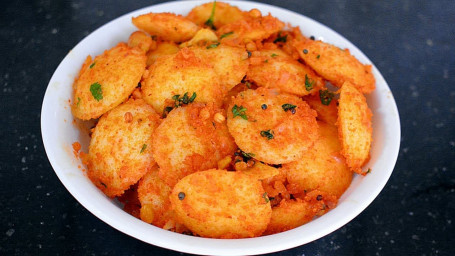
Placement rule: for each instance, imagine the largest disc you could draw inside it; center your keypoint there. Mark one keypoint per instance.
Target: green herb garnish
(265, 197)
(185, 100)
(209, 22)
(288, 106)
(213, 46)
(268, 134)
(239, 111)
(266, 61)
(308, 83)
(273, 55)
(78, 101)
(166, 111)
(317, 57)
(247, 155)
(96, 91)
(143, 148)
(227, 34)
(326, 96)
(93, 64)
(281, 38)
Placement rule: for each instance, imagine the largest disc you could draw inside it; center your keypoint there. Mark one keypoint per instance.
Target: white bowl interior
(59, 131)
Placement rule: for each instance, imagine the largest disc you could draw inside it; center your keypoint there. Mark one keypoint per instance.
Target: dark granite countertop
(411, 42)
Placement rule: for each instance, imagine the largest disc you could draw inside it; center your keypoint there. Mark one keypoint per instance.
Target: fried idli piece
(204, 35)
(224, 14)
(141, 40)
(162, 49)
(282, 72)
(250, 29)
(292, 213)
(154, 194)
(107, 81)
(120, 149)
(167, 26)
(190, 140)
(178, 74)
(327, 113)
(221, 204)
(354, 127)
(336, 65)
(230, 63)
(322, 167)
(276, 128)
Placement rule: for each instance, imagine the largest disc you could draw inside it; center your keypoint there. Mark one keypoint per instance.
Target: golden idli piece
(275, 128)
(336, 65)
(354, 127)
(322, 167)
(107, 81)
(250, 29)
(189, 140)
(325, 105)
(141, 40)
(230, 63)
(223, 14)
(167, 26)
(178, 74)
(290, 214)
(162, 49)
(221, 204)
(154, 194)
(120, 149)
(282, 72)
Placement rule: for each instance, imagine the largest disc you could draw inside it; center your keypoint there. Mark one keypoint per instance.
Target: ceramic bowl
(60, 130)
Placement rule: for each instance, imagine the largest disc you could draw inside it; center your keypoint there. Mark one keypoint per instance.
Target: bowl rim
(247, 246)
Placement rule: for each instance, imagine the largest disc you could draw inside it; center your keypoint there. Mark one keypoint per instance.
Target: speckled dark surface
(411, 42)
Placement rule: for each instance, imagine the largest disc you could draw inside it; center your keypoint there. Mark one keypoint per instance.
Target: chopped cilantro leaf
(185, 100)
(96, 91)
(288, 106)
(227, 34)
(93, 64)
(239, 111)
(209, 22)
(143, 148)
(280, 38)
(308, 83)
(247, 155)
(326, 96)
(268, 134)
(213, 46)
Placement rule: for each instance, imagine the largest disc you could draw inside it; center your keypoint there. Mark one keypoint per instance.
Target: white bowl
(59, 132)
